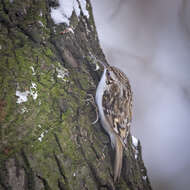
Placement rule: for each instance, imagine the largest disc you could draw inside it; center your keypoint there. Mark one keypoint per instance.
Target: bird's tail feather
(118, 159)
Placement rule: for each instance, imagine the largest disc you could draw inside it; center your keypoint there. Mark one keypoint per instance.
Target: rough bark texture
(49, 142)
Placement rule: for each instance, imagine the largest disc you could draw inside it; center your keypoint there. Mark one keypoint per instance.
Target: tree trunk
(48, 75)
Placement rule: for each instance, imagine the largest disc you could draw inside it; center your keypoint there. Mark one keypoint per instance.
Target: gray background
(150, 41)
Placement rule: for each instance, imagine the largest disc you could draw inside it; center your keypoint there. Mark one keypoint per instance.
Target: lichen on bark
(49, 141)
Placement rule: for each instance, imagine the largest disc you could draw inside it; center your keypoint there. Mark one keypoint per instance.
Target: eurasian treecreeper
(114, 100)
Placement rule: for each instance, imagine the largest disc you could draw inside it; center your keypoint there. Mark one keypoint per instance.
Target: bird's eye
(108, 73)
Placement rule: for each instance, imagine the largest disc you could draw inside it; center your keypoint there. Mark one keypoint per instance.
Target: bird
(114, 101)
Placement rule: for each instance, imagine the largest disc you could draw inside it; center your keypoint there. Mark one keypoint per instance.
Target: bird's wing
(117, 107)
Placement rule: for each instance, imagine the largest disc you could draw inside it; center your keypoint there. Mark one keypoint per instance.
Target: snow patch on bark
(23, 96)
(83, 7)
(135, 141)
(62, 73)
(24, 109)
(42, 135)
(63, 13)
(33, 71)
(41, 23)
(33, 91)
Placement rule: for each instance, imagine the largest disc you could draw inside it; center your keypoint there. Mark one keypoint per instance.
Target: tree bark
(48, 75)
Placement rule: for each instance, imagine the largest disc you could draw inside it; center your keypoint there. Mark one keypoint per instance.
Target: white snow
(135, 141)
(42, 134)
(24, 109)
(22, 96)
(70, 30)
(33, 71)
(41, 137)
(97, 67)
(41, 23)
(83, 7)
(62, 73)
(63, 13)
(136, 155)
(58, 16)
(41, 14)
(76, 7)
(144, 177)
(33, 91)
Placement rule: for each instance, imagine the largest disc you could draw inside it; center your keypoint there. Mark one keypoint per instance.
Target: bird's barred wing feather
(117, 106)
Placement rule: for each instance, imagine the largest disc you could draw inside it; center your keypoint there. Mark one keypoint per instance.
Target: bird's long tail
(118, 159)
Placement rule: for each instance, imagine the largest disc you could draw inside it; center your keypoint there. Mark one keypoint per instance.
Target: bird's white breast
(100, 92)
(99, 97)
